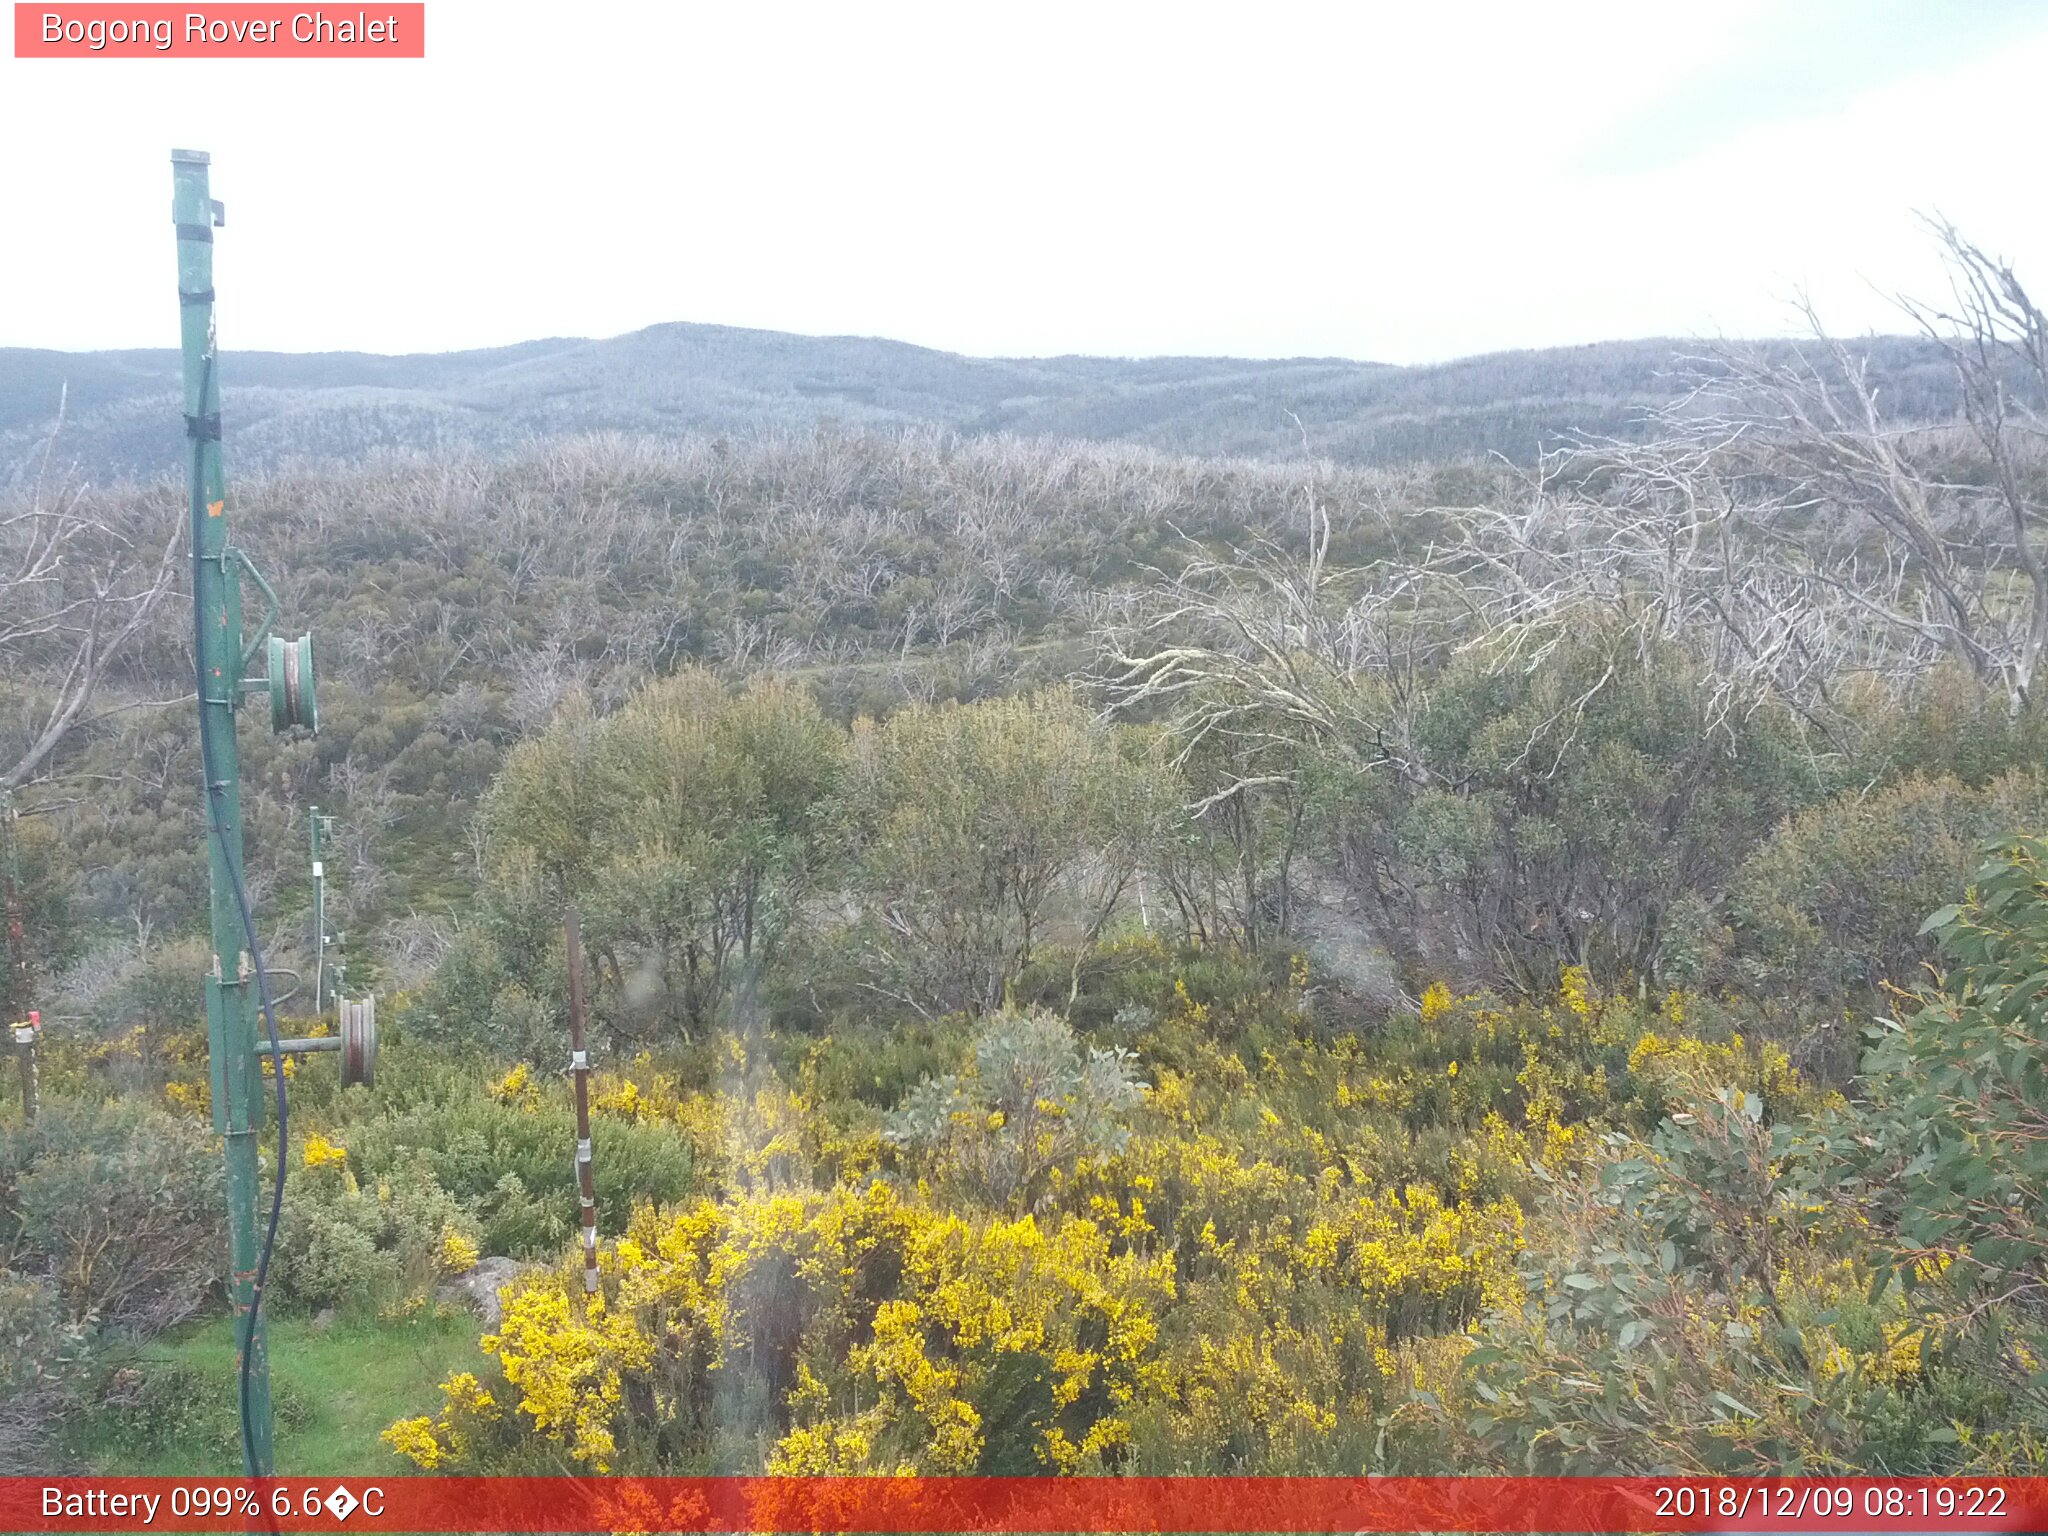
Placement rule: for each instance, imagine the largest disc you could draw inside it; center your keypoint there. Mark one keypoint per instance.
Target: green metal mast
(231, 1002)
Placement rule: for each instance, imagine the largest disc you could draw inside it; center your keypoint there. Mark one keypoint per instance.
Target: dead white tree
(1780, 530)
(1865, 540)
(1660, 546)
(1996, 338)
(1271, 646)
(1786, 531)
(81, 577)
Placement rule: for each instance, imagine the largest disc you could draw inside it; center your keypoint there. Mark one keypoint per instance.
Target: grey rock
(1341, 944)
(478, 1288)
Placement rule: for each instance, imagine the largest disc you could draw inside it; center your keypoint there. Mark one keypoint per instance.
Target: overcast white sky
(1393, 181)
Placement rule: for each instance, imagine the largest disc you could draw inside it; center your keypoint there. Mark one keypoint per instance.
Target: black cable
(216, 818)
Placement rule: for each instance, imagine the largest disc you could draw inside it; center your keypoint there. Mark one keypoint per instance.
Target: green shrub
(1565, 808)
(1033, 1101)
(44, 1357)
(972, 828)
(159, 995)
(511, 1166)
(1695, 1311)
(876, 1065)
(685, 826)
(1949, 724)
(119, 1205)
(364, 1251)
(1832, 903)
(157, 1409)
(1948, 1140)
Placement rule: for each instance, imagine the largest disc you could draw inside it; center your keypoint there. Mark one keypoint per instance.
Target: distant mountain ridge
(122, 411)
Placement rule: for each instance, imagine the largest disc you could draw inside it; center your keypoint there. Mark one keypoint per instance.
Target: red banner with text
(1024, 1504)
(225, 31)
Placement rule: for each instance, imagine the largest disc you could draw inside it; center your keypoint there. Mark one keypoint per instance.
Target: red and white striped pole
(579, 1071)
(26, 1032)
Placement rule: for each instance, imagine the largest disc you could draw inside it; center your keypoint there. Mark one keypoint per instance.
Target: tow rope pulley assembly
(292, 700)
(355, 1043)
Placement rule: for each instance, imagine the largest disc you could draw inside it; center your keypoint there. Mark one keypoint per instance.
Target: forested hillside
(690, 379)
(1101, 957)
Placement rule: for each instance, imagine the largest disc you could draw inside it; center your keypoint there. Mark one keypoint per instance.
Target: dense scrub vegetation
(1101, 961)
(873, 574)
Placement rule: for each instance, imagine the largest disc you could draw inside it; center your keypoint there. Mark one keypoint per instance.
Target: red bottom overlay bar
(1023, 1504)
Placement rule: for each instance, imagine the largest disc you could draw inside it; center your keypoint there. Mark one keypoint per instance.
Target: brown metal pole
(14, 987)
(579, 1071)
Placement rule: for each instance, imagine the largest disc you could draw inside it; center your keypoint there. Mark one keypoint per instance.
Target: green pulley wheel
(292, 698)
(359, 1042)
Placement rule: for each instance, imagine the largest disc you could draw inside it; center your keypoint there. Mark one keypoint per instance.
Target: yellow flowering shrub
(458, 1251)
(517, 1087)
(1298, 1253)
(418, 1440)
(890, 1321)
(1765, 1069)
(568, 1361)
(322, 1153)
(468, 1408)
(621, 1099)
(1575, 990)
(194, 1097)
(902, 1330)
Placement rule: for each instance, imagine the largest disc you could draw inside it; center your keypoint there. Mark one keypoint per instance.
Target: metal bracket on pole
(269, 613)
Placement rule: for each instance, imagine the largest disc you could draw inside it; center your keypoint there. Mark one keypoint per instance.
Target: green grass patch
(168, 1408)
